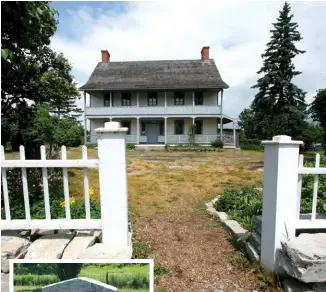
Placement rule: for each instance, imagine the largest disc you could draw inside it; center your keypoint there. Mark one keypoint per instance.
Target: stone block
(236, 229)
(257, 223)
(49, 246)
(12, 244)
(251, 252)
(103, 251)
(80, 243)
(255, 240)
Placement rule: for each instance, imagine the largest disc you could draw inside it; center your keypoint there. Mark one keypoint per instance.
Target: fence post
(281, 158)
(113, 184)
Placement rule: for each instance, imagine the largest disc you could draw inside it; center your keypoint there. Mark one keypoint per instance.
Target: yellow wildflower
(91, 192)
(72, 200)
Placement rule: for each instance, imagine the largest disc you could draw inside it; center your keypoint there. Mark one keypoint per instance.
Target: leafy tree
(318, 111)
(32, 74)
(246, 123)
(66, 271)
(278, 99)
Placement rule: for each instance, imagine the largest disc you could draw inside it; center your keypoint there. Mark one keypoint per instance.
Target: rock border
(233, 227)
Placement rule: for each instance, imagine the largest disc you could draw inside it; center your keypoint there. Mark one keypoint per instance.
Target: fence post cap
(282, 139)
(111, 127)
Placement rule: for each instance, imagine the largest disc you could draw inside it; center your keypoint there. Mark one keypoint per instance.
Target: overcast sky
(237, 33)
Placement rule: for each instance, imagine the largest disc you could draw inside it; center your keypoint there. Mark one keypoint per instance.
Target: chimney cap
(205, 48)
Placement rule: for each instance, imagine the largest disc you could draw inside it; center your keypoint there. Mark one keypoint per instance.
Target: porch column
(221, 128)
(111, 95)
(234, 135)
(166, 129)
(85, 132)
(222, 102)
(137, 130)
(137, 99)
(165, 103)
(193, 102)
(193, 120)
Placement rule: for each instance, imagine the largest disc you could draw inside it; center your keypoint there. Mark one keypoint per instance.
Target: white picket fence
(283, 171)
(112, 182)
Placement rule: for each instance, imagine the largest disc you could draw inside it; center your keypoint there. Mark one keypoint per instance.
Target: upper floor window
(179, 98)
(179, 127)
(107, 99)
(152, 99)
(199, 98)
(199, 127)
(126, 99)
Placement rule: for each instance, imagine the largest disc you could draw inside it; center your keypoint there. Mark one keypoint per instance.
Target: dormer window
(126, 99)
(179, 98)
(199, 98)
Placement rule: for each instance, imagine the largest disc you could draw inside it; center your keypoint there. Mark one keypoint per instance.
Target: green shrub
(241, 205)
(34, 280)
(256, 142)
(217, 143)
(131, 146)
(252, 147)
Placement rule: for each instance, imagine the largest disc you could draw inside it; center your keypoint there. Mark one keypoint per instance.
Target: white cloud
(178, 30)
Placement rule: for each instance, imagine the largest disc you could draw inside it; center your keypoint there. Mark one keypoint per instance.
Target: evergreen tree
(278, 99)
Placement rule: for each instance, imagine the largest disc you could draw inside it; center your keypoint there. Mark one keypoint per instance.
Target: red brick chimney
(105, 56)
(205, 53)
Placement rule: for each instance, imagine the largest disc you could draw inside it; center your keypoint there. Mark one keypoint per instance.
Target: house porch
(172, 130)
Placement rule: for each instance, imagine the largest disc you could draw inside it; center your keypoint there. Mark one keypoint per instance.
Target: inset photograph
(55, 276)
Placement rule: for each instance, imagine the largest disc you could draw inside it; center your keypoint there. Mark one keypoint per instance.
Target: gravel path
(196, 251)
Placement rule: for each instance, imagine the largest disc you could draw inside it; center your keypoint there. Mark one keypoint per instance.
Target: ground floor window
(179, 127)
(161, 128)
(126, 124)
(199, 127)
(143, 128)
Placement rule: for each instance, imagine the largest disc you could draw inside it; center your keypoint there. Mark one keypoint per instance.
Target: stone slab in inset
(80, 243)
(103, 251)
(212, 211)
(49, 246)
(81, 284)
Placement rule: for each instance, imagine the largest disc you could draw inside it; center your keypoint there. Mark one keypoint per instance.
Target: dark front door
(152, 133)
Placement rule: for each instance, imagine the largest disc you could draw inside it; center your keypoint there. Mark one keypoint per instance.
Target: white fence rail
(283, 176)
(112, 183)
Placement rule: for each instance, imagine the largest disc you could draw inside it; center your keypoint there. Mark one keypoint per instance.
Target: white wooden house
(158, 100)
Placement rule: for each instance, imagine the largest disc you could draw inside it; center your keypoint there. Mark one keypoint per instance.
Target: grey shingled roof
(160, 75)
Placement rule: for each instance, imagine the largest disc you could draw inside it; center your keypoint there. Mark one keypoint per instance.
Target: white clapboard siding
(86, 185)
(25, 184)
(65, 183)
(5, 186)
